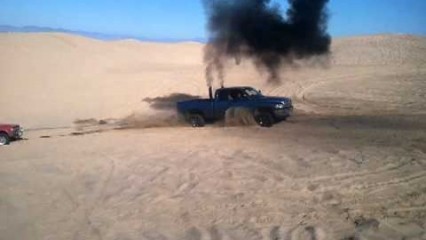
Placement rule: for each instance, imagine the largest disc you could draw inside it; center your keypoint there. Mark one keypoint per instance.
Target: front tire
(264, 119)
(196, 120)
(4, 139)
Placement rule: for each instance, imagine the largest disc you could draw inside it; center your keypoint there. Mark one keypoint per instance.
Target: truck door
(237, 98)
(229, 98)
(223, 102)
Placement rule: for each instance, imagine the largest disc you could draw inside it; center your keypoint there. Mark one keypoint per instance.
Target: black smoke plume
(256, 29)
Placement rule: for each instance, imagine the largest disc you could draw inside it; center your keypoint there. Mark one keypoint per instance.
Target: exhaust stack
(211, 92)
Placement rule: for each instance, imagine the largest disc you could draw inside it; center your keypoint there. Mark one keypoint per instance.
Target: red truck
(9, 132)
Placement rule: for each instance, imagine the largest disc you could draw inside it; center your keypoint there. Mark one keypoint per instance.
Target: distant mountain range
(95, 35)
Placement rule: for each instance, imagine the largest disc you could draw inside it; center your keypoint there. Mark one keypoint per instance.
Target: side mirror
(260, 91)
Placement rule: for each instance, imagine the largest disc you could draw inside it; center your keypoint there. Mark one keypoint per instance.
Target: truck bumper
(283, 113)
(17, 133)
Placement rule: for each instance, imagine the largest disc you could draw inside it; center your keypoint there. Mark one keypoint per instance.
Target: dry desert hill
(350, 163)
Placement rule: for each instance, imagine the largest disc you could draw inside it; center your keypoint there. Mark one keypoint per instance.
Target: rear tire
(264, 119)
(4, 139)
(196, 120)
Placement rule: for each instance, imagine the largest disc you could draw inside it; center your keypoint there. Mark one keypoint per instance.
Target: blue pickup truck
(266, 110)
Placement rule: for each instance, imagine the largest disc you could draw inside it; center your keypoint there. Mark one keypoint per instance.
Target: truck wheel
(264, 119)
(196, 120)
(4, 139)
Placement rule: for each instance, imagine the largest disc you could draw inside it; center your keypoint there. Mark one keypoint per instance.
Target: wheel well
(3, 132)
(195, 112)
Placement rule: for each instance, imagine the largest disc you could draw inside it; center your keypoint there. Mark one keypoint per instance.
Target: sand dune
(380, 50)
(70, 77)
(349, 165)
(64, 77)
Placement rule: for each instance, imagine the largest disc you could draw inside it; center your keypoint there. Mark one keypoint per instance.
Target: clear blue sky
(185, 18)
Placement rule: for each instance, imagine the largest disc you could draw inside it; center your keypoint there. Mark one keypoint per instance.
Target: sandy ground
(350, 164)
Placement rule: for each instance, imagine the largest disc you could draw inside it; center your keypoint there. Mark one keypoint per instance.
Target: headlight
(279, 106)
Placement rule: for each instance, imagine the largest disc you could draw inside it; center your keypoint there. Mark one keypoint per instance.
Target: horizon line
(4, 28)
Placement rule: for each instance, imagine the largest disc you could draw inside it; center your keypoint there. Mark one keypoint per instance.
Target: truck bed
(201, 106)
